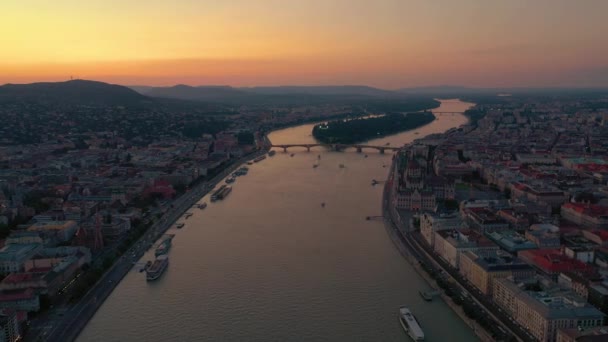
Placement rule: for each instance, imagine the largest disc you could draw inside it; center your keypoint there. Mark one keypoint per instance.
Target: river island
(351, 131)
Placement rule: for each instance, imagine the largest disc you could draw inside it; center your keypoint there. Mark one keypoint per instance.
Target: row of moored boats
(154, 269)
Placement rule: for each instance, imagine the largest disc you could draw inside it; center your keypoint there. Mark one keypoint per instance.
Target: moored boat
(410, 324)
(428, 295)
(272, 153)
(242, 171)
(180, 225)
(215, 195)
(164, 246)
(157, 268)
(425, 296)
(259, 159)
(225, 191)
(146, 266)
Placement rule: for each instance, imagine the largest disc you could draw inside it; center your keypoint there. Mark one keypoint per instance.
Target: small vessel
(387, 144)
(250, 163)
(272, 153)
(291, 155)
(215, 195)
(188, 214)
(419, 132)
(323, 205)
(366, 156)
(342, 166)
(180, 225)
(157, 268)
(225, 191)
(425, 296)
(410, 324)
(241, 172)
(146, 266)
(230, 180)
(428, 295)
(259, 159)
(164, 246)
(202, 205)
(319, 156)
(314, 166)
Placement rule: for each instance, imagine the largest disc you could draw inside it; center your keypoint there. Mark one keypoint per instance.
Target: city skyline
(389, 44)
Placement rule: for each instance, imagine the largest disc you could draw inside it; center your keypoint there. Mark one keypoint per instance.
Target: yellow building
(61, 230)
(482, 267)
(543, 309)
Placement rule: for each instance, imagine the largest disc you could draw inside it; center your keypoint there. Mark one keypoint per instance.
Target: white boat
(157, 268)
(410, 324)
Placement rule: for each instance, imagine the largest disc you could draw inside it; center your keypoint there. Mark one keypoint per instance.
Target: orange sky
(385, 43)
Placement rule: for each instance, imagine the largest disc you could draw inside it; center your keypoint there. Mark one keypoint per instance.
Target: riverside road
(68, 321)
(410, 244)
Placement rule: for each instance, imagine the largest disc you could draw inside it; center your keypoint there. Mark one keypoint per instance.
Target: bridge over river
(337, 147)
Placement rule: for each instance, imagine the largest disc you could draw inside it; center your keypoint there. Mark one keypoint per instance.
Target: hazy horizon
(387, 44)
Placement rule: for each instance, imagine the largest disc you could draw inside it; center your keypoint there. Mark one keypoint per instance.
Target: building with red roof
(161, 187)
(23, 299)
(586, 214)
(552, 262)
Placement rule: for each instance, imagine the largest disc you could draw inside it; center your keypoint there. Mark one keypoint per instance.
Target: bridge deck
(338, 146)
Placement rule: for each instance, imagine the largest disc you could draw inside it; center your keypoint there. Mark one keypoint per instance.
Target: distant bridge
(338, 147)
(447, 112)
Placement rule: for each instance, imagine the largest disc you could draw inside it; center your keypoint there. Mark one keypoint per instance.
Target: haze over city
(304, 170)
(384, 43)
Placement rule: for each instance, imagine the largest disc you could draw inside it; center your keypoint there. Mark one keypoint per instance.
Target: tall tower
(81, 236)
(98, 236)
(81, 233)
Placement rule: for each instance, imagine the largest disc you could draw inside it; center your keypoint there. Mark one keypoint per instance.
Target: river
(270, 264)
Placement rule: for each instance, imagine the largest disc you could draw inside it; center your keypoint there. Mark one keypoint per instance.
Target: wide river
(270, 264)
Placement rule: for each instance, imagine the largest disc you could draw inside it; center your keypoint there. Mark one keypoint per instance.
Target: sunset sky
(384, 43)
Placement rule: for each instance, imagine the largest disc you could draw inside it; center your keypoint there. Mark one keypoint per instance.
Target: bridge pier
(381, 150)
(359, 149)
(284, 149)
(308, 148)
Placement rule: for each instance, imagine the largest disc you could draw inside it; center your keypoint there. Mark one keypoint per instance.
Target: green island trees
(351, 131)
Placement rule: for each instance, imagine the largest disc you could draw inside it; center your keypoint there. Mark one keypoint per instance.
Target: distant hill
(71, 92)
(282, 95)
(443, 90)
(323, 90)
(142, 89)
(201, 93)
